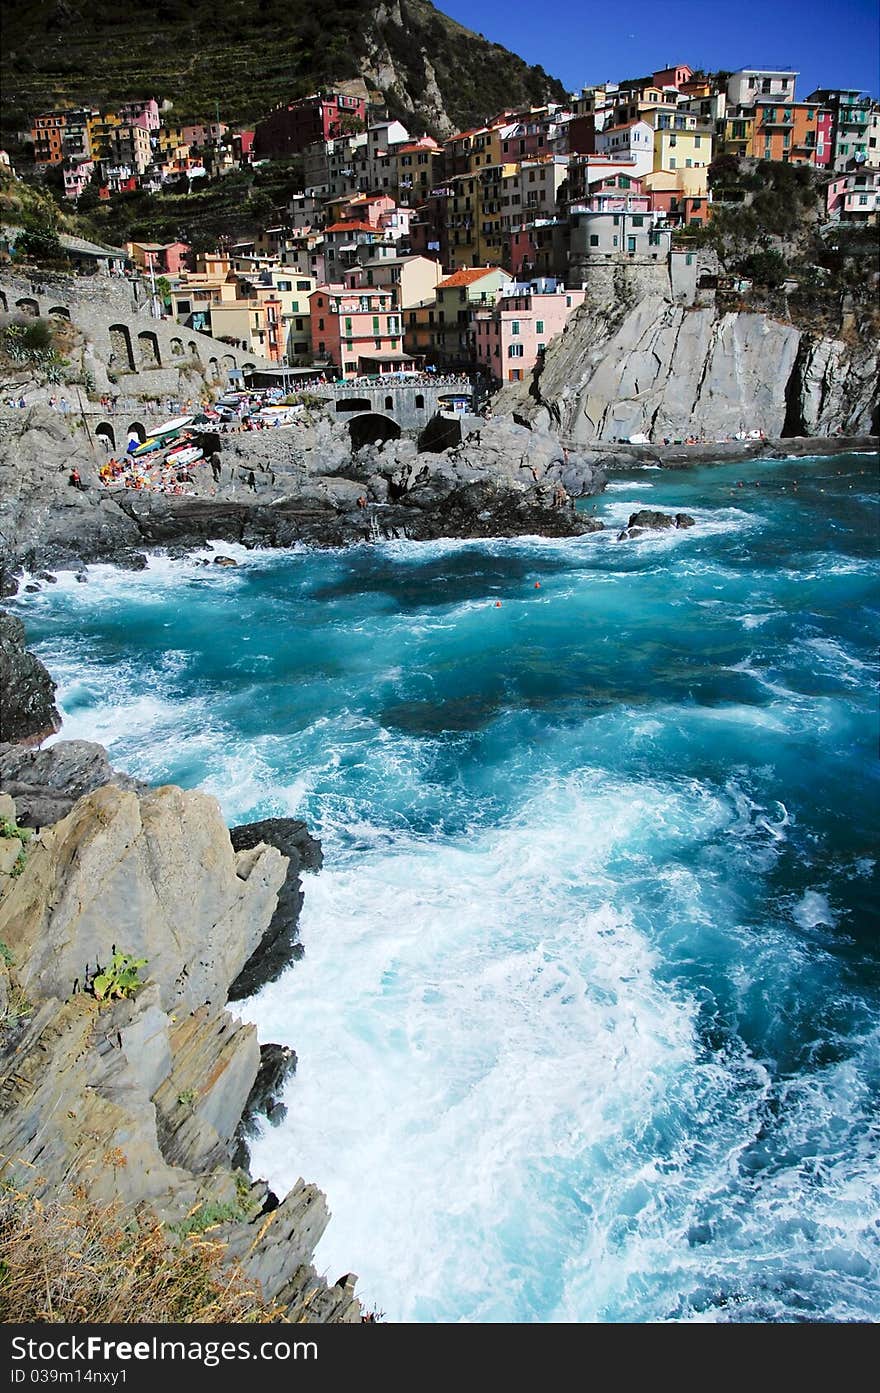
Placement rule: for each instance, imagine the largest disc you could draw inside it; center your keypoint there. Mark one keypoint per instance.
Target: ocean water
(587, 1019)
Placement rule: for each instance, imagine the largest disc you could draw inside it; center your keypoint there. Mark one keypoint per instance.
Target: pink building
(77, 178)
(512, 336)
(356, 330)
(855, 197)
(145, 114)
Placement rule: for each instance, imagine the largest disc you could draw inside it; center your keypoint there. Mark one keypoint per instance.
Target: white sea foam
(476, 1021)
(813, 910)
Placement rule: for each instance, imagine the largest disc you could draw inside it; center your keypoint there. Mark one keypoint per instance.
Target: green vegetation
(120, 978)
(8, 828)
(247, 57)
(206, 1216)
(769, 225)
(236, 206)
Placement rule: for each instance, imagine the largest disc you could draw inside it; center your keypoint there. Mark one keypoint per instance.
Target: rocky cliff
(139, 1099)
(276, 488)
(668, 371)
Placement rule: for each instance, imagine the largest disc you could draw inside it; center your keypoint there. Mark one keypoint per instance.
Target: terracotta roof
(416, 150)
(350, 227)
(467, 277)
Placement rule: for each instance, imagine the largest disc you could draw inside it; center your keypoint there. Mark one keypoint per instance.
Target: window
(348, 326)
(539, 326)
(378, 343)
(672, 163)
(299, 325)
(515, 350)
(320, 323)
(698, 139)
(637, 220)
(514, 326)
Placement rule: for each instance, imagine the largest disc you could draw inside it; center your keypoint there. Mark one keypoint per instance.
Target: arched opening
(353, 404)
(213, 368)
(389, 403)
(136, 429)
(177, 348)
(106, 434)
(194, 349)
(122, 357)
(372, 429)
(59, 312)
(27, 306)
(4, 302)
(227, 362)
(441, 433)
(148, 349)
(420, 402)
(248, 367)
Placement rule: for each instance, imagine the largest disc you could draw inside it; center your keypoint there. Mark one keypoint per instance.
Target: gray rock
(46, 783)
(27, 706)
(278, 945)
(118, 871)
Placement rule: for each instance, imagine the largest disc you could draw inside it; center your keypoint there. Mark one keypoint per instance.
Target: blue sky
(832, 43)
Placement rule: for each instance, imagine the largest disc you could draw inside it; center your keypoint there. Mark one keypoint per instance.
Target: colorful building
(511, 338)
(47, 134)
(855, 197)
(851, 117)
(459, 297)
(322, 116)
(163, 258)
(144, 113)
(413, 280)
(355, 330)
(253, 324)
(795, 133)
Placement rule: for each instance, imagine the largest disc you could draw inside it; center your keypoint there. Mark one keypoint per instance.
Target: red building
(323, 116)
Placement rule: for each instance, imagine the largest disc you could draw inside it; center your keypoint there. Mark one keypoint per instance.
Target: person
(75, 480)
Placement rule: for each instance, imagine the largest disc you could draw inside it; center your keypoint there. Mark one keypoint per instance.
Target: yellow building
(100, 132)
(738, 131)
(686, 153)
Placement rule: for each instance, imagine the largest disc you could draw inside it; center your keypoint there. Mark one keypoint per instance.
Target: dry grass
(69, 1261)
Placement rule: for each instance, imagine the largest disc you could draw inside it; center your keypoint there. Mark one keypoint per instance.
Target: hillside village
(403, 253)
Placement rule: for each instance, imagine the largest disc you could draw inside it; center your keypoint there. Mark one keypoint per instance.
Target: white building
(749, 85)
(633, 142)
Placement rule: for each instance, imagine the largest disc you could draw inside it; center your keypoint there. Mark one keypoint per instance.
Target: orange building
(47, 134)
(787, 131)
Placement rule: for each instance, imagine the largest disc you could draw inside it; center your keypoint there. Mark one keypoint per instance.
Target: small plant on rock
(119, 978)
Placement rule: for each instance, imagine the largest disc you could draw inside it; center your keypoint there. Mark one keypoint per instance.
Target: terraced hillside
(248, 55)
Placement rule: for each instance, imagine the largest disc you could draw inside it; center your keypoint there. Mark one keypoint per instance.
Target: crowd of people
(161, 476)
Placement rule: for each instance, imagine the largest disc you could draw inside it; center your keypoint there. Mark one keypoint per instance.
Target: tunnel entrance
(441, 433)
(371, 429)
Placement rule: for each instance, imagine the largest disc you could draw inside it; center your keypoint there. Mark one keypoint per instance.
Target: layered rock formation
(665, 371)
(140, 1099)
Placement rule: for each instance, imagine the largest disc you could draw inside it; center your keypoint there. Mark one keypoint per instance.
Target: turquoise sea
(588, 1018)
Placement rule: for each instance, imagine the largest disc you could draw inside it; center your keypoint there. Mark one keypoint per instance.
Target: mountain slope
(248, 55)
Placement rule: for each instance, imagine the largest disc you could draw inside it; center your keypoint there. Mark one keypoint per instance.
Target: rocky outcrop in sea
(147, 1099)
(275, 488)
